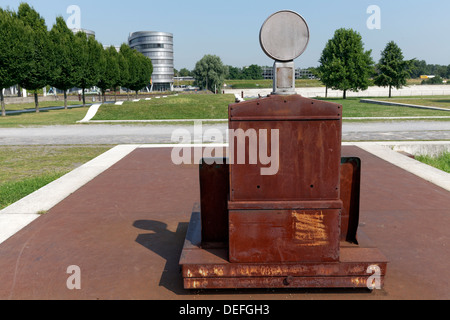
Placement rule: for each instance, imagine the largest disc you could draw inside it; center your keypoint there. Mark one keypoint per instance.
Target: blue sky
(230, 29)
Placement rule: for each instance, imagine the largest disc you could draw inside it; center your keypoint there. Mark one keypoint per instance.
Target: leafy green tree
(110, 73)
(141, 71)
(393, 70)
(209, 73)
(64, 72)
(14, 38)
(89, 63)
(124, 73)
(253, 72)
(184, 72)
(127, 53)
(234, 73)
(344, 65)
(39, 53)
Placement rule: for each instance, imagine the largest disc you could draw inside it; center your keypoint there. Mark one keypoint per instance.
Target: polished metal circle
(284, 35)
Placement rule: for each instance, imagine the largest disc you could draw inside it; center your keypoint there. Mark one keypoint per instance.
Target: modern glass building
(158, 46)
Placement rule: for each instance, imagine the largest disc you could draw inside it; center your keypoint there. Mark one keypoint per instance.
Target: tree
(39, 53)
(14, 37)
(184, 72)
(253, 72)
(64, 75)
(127, 53)
(124, 73)
(392, 69)
(110, 73)
(344, 65)
(89, 62)
(141, 71)
(234, 73)
(209, 72)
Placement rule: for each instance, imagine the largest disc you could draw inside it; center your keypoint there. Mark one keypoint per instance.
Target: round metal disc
(284, 35)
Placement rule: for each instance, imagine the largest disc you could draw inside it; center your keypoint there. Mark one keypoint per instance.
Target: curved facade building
(158, 46)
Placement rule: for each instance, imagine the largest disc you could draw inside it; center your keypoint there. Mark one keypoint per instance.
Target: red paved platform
(126, 229)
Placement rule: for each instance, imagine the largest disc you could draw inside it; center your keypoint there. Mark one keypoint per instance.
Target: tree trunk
(36, 101)
(65, 99)
(104, 96)
(137, 94)
(115, 95)
(128, 94)
(2, 98)
(84, 98)
(345, 94)
(326, 92)
(390, 91)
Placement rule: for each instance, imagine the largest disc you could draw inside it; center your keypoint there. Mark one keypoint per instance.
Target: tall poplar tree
(64, 73)
(110, 72)
(89, 62)
(14, 38)
(39, 53)
(141, 69)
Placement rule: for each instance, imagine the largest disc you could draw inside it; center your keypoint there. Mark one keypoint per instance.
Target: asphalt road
(162, 134)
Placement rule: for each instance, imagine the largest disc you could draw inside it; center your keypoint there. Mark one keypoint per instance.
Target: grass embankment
(44, 118)
(216, 107)
(180, 107)
(441, 162)
(25, 169)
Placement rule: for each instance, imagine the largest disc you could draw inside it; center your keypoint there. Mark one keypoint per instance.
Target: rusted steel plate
(214, 192)
(308, 168)
(303, 137)
(293, 107)
(280, 205)
(278, 283)
(281, 270)
(350, 196)
(200, 262)
(265, 236)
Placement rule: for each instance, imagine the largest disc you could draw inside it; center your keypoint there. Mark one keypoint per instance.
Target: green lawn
(200, 106)
(25, 169)
(265, 84)
(352, 107)
(42, 104)
(430, 101)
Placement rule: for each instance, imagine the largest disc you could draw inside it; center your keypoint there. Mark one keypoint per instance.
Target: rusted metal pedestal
(296, 227)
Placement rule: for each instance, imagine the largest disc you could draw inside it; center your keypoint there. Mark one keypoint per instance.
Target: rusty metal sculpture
(297, 227)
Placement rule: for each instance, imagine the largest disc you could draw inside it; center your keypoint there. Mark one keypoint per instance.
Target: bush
(435, 80)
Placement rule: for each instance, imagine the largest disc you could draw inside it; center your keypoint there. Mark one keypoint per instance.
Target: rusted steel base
(206, 268)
